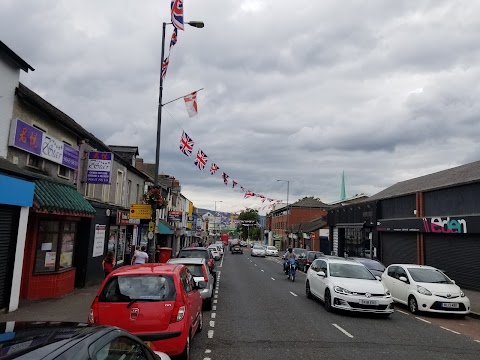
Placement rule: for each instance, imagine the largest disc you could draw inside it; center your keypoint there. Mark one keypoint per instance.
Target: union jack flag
(165, 66)
(213, 169)
(201, 160)
(173, 41)
(225, 178)
(248, 194)
(270, 200)
(234, 184)
(177, 13)
(186, 144)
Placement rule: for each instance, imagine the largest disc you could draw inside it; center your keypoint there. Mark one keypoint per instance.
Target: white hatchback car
(271, 251)
(425, 288)
(347, 285)
(258, 250)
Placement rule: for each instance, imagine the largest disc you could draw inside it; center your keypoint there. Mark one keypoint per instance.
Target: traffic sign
(140, 211)
(151, 226)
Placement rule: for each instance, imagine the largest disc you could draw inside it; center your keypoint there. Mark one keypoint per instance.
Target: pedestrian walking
(137, 249)
(140, 257)
(108, 263)
(157, 254)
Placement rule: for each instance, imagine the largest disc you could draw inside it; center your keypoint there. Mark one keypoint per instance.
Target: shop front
(57, 215)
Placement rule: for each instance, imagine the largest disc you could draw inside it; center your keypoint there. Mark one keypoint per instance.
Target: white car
(219, 248)
(215, 253)
(425, 288)
(258, 250)
(271, 251)
(347, 285)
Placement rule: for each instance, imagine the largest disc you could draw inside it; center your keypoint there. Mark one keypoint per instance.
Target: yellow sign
(151, 226)
(140, 211)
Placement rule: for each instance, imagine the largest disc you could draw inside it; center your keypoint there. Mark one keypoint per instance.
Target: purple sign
(99, 167)
(28, 138)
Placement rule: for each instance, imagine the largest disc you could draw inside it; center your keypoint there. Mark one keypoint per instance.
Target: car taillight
(308, 262)
(210, 263)
(178, 311)
(93, 315)
(205, 273)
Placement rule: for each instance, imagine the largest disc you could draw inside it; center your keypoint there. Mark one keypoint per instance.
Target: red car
(159, 303)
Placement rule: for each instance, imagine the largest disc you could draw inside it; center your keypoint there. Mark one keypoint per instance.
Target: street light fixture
(215, 219)
(198, 25)
(288, 191)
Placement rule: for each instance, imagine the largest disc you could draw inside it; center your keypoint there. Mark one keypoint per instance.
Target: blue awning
(164, 228)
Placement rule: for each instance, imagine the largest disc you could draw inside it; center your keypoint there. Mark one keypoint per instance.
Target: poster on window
(50, 259)
(98, 240)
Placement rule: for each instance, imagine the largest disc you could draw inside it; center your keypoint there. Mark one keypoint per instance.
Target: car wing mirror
(453, 281)
(378, 278)
(321, 273)
(403, 278)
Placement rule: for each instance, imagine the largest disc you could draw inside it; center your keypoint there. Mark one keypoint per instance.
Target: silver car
(202, 276)
(258, 250)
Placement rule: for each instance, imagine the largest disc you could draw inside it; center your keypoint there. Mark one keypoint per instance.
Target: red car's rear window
(140, 287)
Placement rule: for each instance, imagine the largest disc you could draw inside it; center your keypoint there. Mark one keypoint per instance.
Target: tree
(249, 217)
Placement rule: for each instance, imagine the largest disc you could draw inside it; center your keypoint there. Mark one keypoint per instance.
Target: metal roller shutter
(398, 248)
(456, 254)
(9, 216)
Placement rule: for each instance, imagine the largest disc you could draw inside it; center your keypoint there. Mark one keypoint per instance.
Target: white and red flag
(201, 160)
(213, 169)
(234, 183)
(248, 194)
(191, 104)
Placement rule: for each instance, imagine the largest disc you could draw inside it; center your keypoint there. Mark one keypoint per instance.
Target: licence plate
(450, 305)
(369, 302)
(147, 343)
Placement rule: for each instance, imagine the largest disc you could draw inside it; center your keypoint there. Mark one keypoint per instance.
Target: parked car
(271, 251)
(425, 288)
(258, 250)
(300, 252)
(200, 252)
(375, 266)
(243, 243)
(347, 285)
(201, 275)
(220, 247)
(237, 249)
(215, 253)
(159, 303)
(71, 340)
(304, 262)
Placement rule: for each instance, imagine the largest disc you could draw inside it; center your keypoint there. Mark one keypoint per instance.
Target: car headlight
(423, 291)
(387, 293)
(341, 290)
(462, 294)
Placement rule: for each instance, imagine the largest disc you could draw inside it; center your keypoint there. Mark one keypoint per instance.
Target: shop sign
(438, 224)
(140, 211)
(98, 240)
(123, 218)
(32, 140)
(99, 167)
(174, 216)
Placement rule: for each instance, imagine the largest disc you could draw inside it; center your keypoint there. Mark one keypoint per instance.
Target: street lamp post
(196, 24)
(288, 191)
(215, 220)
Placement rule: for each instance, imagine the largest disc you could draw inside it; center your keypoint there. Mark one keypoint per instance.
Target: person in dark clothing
(157, 254)
(108, 263)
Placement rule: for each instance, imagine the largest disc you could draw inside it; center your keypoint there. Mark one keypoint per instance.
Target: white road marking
(403, 312)
(251, 261)
(293, 293)
(207, 358)
(343, 331)
(255, 264)
(455, 332)
(477, 341)
(212, 323)
(214, 315)
(216, 291)
(210, 334)
(428, 322)
(215, 296)
(263, 270)
(214, 301)
(221, 263)
(272, 279)
(219, 272)
(214, 308)
(208, 351)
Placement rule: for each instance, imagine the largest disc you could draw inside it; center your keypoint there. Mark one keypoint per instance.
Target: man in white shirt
(140, 257)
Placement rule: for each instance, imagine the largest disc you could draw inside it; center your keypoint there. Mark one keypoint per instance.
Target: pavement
(258, 314)
(474, 297)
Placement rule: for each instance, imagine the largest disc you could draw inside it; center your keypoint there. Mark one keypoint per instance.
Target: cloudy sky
(383, 90)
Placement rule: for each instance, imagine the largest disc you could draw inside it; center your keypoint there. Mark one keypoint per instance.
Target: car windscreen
(140, 287)
(271, 248)
(195, 269)
(350, 271)
(193, 254)
(372, 264)
(428, 276)
(258, 247)
(300, 252)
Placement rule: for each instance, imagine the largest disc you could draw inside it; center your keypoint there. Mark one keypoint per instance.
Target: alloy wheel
(328, 301)
(412, 305)
(307, 290)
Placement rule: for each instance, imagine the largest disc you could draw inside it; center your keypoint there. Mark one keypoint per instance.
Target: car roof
(195, 261)
(194, 248)
(145, 269)
(415, 266)
(39, 339)
(339, 261)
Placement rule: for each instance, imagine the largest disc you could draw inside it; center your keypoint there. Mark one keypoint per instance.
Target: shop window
(55, 244)
(64, 172)
(35, 161)
(116, 243)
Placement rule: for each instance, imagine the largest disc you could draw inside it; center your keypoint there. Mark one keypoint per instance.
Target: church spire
(343, 196)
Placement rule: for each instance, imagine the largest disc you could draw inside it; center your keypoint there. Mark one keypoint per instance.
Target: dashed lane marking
(207, 358)
(214, 308)
(210, 334)
(343, 331)
(214, 315)
(455, 332)
(215, 301)
(477, 341)
(272, 279)
(216, 291)
(221, 263)
(293, 293)
(255, 264)
(403, 312)
(215, 296)
(208, 351)
(263, 270)
(212, 323)
(419, 318)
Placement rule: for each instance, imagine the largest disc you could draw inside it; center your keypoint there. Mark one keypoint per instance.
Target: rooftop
(22, 64)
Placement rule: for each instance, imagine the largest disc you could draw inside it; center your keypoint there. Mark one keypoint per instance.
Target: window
(129, 191)
(91, 191)
(391, 271)
(401, 272)
(137, 198)
(185, 279)
(64, 172)
(35, 161)
(119, 187)
(116, 243)
(121, 348)
(106, 192)
(55, 244)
